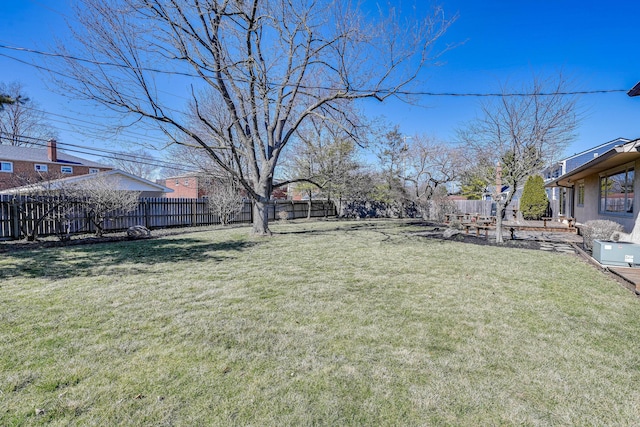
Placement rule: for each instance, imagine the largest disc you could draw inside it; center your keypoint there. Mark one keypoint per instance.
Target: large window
(6, 167)
(66, 169)
(616, 192)
(41, 168)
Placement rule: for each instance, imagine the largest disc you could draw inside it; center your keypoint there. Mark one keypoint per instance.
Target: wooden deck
(629, 274)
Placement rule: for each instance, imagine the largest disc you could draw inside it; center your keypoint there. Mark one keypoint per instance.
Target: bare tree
(255, 70)
(102, 200)
(138, 162)
(21, 121)
(224, 198)
(429, 166)
(521, 133)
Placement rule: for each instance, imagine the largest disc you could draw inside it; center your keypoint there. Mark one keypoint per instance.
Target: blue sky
(593, 42)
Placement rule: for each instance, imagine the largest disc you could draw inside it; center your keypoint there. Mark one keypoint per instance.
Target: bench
(478, 227)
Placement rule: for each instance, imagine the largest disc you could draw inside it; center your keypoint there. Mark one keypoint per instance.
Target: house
(195, 186)
(112, 179)
(567, 165)
(603, 187)
(191, 186)
(21, 165)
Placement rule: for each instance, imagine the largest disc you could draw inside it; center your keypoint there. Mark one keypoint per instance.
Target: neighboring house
(21, 165)
(115, 179)
(194, 186)
(185, 186)
(603, 188)
(567, 165)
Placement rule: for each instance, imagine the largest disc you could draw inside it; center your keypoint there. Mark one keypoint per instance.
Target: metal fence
(22, 215)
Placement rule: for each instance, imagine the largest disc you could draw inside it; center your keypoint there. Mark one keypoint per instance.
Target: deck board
(630, 274)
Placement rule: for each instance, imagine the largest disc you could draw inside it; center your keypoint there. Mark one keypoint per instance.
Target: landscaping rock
(138, 232)
(450, 232)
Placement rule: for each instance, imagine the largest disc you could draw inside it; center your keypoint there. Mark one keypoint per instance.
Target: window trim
(69, 168)
(10, 170)
(41, 167)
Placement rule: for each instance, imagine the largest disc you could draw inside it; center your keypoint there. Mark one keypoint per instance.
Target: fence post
(194, 213)
(15, 219)
(145, 208)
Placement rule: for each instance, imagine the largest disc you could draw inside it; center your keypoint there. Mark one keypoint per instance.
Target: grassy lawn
(326, 323)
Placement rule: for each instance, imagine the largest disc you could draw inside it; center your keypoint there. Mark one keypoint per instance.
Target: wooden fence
(20, 215)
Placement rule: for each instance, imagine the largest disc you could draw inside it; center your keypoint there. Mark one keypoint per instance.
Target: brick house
(184, 186)
(193, 186)
(21, 165)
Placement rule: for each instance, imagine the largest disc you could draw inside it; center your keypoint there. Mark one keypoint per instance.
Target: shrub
(534, 201)
(600, 229)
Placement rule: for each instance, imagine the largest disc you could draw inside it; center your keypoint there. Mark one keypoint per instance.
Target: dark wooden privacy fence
(20, 215)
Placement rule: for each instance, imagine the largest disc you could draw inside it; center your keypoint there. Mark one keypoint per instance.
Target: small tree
(534, 201)
(224, 197)
(102, 200)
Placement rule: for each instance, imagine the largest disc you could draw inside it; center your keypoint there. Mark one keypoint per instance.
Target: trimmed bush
(600, 229)
(534, 201)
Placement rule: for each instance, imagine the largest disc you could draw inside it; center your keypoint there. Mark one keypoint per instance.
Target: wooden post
(145, 207)
(15, 218)
(194, 212)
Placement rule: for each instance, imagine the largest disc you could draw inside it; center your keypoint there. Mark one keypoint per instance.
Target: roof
(635, 91)
(40, 155)
(123, 180)
(585, 156)
(616, 156)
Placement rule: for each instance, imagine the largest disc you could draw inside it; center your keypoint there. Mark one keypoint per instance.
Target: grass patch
(326, 323)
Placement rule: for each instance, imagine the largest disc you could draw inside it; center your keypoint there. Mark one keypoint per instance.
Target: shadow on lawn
(357, 225)
(112, 258)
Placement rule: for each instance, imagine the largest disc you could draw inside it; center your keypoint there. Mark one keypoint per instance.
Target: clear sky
(594, 42)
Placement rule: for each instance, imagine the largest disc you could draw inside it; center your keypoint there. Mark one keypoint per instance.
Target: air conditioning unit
(622, 254)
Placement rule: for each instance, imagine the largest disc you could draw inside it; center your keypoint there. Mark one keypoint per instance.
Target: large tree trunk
(261, 217)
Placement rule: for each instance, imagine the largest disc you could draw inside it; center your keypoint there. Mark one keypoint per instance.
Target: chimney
(52, 150)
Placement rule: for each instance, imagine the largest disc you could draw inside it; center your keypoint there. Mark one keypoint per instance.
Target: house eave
(617, 156)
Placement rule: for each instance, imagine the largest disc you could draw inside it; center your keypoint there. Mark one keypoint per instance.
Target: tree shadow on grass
(130, 257)
(348, 225)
